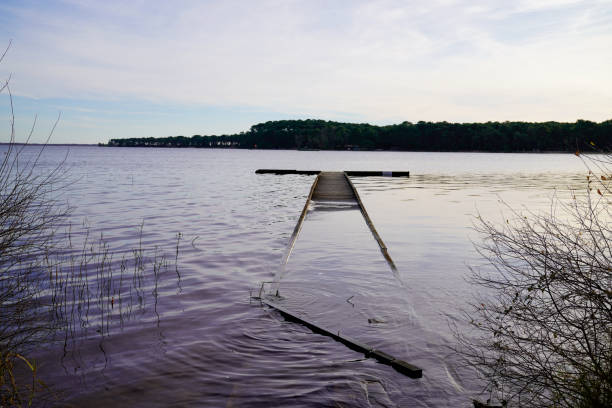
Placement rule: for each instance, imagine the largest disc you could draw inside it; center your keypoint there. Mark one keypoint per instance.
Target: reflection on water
(208, 344)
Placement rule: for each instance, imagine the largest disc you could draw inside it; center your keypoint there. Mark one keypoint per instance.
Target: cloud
(378, 60)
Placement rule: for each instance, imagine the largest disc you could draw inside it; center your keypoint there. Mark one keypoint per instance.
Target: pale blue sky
(159, 68)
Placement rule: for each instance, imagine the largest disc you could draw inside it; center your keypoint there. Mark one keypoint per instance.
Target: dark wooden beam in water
(298, 225)
(369, 351)
(287, 171)
(350, 173)
(378, 173)
(368, 220)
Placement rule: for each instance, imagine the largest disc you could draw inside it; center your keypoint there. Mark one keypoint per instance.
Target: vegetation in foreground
(421, 136)
(50, 291)
(543, 328)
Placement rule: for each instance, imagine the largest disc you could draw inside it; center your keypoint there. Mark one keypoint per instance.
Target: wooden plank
(287, 171)
(333, 186)
(356, 173)
(298, 226)
(368, 220)
(400, 366)
(378, 173)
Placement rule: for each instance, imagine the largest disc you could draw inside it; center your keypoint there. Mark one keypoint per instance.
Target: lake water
(199, 339)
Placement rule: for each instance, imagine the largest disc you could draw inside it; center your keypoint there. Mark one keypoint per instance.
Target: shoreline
(351, 150)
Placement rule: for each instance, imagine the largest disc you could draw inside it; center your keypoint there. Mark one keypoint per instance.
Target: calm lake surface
(197, 338)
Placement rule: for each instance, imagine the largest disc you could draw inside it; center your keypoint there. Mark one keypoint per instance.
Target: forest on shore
(422, 136)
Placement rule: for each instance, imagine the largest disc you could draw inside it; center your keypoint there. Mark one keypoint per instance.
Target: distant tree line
(421, 136)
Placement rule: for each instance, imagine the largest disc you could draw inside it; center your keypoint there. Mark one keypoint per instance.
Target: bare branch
(542, 330)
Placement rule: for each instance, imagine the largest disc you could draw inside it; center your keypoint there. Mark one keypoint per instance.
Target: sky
(110, 69)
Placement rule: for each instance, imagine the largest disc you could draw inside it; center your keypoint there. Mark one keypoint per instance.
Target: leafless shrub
(50, 291)
(29, 214)
(543, 322)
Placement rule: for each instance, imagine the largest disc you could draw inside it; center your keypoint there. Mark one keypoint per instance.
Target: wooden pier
(333, 186)
(337, 186)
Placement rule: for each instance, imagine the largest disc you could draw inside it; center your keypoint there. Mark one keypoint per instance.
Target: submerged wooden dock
(337, 186)
(333, 186)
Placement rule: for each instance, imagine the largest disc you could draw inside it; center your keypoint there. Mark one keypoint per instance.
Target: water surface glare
(205, 342)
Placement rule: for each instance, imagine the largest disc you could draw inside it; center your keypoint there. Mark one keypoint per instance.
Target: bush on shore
(543, 327)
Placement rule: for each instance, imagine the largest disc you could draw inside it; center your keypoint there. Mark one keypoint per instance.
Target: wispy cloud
(381, 60)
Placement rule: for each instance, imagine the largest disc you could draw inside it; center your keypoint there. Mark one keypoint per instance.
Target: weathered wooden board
(356, 173)
(333, 185)
(401, 366)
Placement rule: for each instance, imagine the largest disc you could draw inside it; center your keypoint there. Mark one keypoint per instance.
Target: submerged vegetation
(58, 287)
(421, 136)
